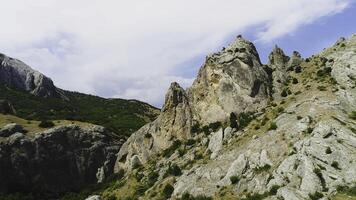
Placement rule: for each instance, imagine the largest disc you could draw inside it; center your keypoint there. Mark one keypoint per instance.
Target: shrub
(316, 196)
(168, 152)
(244, 119)
(310, 130)
(284, 93)
(187, 196)
(328, 150)
(148, 135)
(295, 81)
(263, 169)
(195, 128)
(234, 179)
(352, 115)
(190, 142)
(46, 124)
(321, 88)
(273, 126)
(111, 197)
(174, 170)
(335, 165)
(152, 178)
(299, 117)
(167, 191)
(280, 109)
(298, 69)
(215, 126)
(233, 120)
(274, 189)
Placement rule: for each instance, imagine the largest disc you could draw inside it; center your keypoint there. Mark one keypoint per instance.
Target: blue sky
(134, 49)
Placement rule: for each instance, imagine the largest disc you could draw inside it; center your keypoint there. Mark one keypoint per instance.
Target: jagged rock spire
(175, 96)
(277, 57)
(173, 124)
(232, 80)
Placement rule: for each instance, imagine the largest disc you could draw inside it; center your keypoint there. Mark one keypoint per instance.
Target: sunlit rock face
(232, 80)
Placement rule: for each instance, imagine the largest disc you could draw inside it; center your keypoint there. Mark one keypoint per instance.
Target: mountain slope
(33, 96)
(297, 142)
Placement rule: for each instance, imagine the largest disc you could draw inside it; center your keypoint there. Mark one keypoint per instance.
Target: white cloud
(130, 49)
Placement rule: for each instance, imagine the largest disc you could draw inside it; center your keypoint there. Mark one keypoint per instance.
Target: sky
(133, 49)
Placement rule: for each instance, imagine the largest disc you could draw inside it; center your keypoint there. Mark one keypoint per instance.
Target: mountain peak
(174, 96)
(16, 74)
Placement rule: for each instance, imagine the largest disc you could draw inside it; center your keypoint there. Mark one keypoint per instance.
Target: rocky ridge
(14, 73)
(60, 159)
(285, 130)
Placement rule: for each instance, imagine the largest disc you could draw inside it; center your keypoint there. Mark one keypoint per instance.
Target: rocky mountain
(49, 145)
(29, 94)
(245, 130)
(14, 73)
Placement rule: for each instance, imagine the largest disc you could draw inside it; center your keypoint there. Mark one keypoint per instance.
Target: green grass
(120, 116)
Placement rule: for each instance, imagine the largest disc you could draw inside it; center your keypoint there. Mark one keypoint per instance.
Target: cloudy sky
(135, 48)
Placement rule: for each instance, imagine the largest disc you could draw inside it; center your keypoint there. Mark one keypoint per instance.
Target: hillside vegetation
(118, 115)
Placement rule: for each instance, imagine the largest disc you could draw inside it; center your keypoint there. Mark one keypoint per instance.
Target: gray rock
(57, 160)
(232, 80)
(173, 124)
(215, 143)
(17, 74)
(10, 129)
(94, 197)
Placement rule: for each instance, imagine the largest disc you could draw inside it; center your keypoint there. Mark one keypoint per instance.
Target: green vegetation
(46, 124)
(233, 120)
(273, 126)
(274, 189)
(234, 179)
(168, 152)
(328, 150)
(347, 190)
(316, 196)
(187, 196)
(352, 115)
(244, 119)
(335, 165)
(174, 170)
(118, 115)
(295, 81)
(167, 191)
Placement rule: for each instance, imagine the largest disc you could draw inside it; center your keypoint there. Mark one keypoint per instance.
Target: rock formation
(232, 80)
(17, 74)
(60, 159)
(172, 124)
(298, 145)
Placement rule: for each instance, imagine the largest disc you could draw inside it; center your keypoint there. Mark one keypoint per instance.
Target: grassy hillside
(120, 116)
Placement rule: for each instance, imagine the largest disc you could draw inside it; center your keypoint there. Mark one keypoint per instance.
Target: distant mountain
(32, 95)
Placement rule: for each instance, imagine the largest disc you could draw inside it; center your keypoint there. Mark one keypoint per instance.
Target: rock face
(282, 66)
(232, 80)
(299, 145)
(57, 160)
(17, 74)
(10, 129)
(172, 124)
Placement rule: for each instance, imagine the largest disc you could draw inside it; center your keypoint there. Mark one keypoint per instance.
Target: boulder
(10, 129)
(93, 197)
(216, 143)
